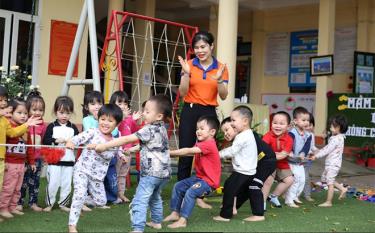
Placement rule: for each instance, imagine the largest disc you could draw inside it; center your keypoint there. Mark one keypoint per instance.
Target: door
(18, 44)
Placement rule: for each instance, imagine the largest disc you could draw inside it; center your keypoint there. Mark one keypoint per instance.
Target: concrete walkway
(350, 173)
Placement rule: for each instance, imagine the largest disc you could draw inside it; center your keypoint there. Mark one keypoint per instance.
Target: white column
(326, 45)
(227, 48)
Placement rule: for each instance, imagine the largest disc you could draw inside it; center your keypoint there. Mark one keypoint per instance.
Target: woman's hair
(64, 103)
(119, 96)
(339, 121)
(91, 97)
(33, 98)
(111, 110)
(202, 35)
(15, 102)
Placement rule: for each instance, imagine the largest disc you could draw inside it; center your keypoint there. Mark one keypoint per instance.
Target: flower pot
(371, 162)
(360, 162)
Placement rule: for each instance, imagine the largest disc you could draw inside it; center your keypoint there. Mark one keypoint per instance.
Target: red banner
(61, 43)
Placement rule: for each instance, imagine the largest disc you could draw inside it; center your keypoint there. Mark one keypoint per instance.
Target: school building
(266, 44)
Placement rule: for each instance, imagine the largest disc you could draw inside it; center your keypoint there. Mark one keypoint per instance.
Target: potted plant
(366, 154)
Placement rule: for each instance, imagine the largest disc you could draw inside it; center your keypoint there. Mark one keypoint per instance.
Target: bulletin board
(61, 43)
(287, 102)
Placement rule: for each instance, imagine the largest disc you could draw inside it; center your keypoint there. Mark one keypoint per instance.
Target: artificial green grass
(349, 215)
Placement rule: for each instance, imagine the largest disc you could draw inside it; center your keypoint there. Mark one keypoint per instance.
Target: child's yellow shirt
(6, 130)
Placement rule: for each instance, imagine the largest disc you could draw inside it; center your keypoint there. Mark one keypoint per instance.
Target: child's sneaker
(35, 208)
(274, 201)
(308, 198)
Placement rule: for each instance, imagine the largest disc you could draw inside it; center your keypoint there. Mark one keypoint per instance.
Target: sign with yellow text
(360, 111)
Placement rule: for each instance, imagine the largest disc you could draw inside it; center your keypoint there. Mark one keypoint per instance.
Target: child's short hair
(91, 97)
(226, 120)
(111, 110)
(284, 114)
(120, 96)
(34, 97)
(340, 121)
(212, 121)
(244, 111)
(299, 110)
(3, 92)
(164, 105)
(64, 103)
(312, 119)
(15, 102)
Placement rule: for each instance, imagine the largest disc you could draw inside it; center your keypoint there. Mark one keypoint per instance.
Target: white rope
(49, 146)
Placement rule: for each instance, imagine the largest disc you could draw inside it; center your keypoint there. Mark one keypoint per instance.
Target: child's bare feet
(254, 218)
(6, 214)
(203, 204)
(123, 198)
(292, 205)
(325, 204)
(48, 209)
(154, 225)
(234, 210)
(308, 198)
(64, 208)
(72, 229)
(35, 208)
(19, 207)
(85, 208)
(343, 193)
(181, 222)
(17, 212)
(174, 216)
(221, 219)
(298, 201)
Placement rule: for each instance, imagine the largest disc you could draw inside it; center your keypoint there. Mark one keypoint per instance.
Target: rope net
(142, 54)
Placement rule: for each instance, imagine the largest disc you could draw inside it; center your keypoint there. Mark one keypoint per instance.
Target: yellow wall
(291, 19)
(51, 85)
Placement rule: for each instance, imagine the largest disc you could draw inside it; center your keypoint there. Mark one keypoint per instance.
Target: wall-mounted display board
(364, 65)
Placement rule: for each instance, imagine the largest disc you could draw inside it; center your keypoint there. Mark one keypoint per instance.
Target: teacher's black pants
(187, 134)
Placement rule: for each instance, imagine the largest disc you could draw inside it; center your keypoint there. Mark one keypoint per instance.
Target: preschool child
(91, 167)
(244, 155)
(266, 166)
(15, 159)
(333, 150)
(155, 162)
(207, 172)
(35, 106)
(301, 147)
(307, 165)
(92, 102)
(282, 144)
(59, 175)
(127, 126)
